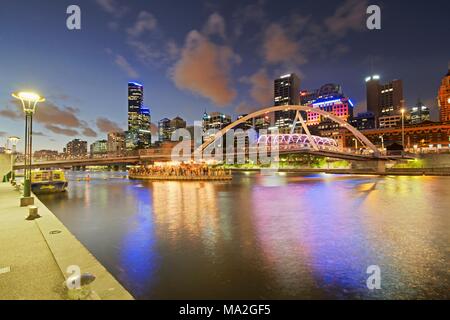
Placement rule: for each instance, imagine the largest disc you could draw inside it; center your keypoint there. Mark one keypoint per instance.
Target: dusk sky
(198, 54)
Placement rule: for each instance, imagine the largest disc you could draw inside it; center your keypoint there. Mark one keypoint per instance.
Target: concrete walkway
(34, 255)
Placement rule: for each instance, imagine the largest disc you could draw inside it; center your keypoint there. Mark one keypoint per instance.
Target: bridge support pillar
(376, 166)
(381, 166)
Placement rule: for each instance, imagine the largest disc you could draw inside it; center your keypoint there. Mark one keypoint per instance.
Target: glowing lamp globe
(29, 100)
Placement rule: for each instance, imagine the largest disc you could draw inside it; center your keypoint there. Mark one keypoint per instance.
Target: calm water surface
(270, 237)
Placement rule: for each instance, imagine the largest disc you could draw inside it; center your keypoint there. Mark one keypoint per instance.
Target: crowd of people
(182, 170)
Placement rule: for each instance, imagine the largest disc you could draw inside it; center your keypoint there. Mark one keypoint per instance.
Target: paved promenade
(34, 255)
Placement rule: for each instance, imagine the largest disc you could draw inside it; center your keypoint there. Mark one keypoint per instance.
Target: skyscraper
(99, 147)
(116, 143)
(444, 98)
(384, 99)
(286, 92)
(329, 98)
(164, 132)
(144, 132)
(135, 102)
(138, 135)
(214, 121)
(76, 148)
(420, 113)
(166, 127)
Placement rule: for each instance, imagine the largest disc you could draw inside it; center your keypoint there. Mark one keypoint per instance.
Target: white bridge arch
(358, 135)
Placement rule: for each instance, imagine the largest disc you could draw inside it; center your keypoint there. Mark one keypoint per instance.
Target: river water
(284, 236)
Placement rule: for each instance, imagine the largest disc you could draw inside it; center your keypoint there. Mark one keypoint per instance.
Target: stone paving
(34, 255)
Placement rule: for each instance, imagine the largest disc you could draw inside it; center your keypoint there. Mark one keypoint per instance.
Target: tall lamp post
(13, 141)
(382, 142)
(29, 101)
(403, 128)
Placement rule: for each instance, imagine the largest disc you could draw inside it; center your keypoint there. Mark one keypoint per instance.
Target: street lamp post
(403, 128)
(382, 143)
(13, 141)
(29, 101)
(356, 145)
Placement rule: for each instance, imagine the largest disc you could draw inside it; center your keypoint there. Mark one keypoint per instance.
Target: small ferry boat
(48, 181)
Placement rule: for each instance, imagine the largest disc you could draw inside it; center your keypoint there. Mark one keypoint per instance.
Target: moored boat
(48, 181)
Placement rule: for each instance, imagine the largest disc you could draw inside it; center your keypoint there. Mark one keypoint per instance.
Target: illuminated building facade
(262, 123)
(99, 147)
(444, 98)
(135, 103)
(330, 99)
(384, 99)
(424, 136)
(46, 155)
(139, 119)
(177, 123)
(308, 97)
(144, 131)
(364, 121)
(247, 125)
(420, 113)
(164, 131)
(166, 127)
(116, 143)
(286, 92)
(76, 148)
(214, 121)
(392, 121)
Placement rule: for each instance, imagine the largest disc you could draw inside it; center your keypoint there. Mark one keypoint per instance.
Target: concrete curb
(68, 251)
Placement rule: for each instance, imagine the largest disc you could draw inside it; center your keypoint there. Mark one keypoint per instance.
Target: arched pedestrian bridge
(305, 142)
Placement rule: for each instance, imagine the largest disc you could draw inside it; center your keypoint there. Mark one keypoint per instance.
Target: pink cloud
(261, 88)
(106, 125)
(204, 68)
(279, 48)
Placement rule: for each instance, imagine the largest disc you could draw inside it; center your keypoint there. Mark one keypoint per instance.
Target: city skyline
(137, 44)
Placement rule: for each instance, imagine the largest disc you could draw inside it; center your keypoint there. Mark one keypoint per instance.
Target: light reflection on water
(282, 236)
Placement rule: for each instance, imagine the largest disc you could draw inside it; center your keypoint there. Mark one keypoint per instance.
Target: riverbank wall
(5, 165)
(37, 256)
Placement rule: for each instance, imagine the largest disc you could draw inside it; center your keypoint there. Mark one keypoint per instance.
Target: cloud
(148, 43)
(106, 125)
(279, 48)
(204, 68)
(348, 16)
(112, 7)
(215, 26)
(248, 14)
(62, 131)
(147, 52)
(59, 120)
(3, 134)
(261, 88)
(38, 133)
(145, 22)
(123, 63)
(47, 113)
(245, 108)
(10, 114)
(88, 132)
